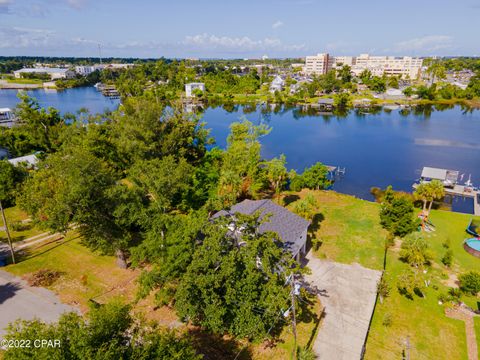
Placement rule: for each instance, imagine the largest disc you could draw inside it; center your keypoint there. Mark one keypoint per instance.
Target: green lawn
(477, 333)
(348, 228)
(84, 274)
(15, 215)
(432, 334)
(25, 81)
(349, 231)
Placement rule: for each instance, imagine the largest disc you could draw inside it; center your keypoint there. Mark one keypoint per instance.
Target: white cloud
(20, 37)
(277, 24)
(427, 43)
(237, 44)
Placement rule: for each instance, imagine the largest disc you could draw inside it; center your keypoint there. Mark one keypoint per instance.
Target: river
(381, 149)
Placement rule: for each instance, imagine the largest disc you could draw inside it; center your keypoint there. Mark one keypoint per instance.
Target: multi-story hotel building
(317, 64)
(405, 67)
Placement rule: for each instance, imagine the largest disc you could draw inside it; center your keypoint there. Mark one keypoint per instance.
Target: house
(30, 161)
(191, 87)
(6, 117)
(277, 84)
(290, 228)
(54, 73)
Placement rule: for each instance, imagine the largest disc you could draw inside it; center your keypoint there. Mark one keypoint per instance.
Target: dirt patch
(42, 277)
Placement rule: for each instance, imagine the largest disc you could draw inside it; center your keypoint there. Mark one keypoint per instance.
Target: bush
(305, 353)
(415, 251)
(19, 226)
(410, 283)
(447, 259)
(470, 282)
(397, 213)
(387, 320)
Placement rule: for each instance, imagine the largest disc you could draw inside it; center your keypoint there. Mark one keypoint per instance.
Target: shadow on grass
(26, 254)
(287, 200)
(312, 240)
(215, 347)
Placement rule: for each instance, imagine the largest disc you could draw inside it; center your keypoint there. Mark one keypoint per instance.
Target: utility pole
(407, 348)
(7, 231)
(100, 53)
(294, 319)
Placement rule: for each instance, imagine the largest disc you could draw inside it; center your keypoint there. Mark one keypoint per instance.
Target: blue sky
(239, 29)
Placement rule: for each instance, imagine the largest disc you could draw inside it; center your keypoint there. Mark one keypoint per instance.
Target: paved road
(348, 294)
(18, 300)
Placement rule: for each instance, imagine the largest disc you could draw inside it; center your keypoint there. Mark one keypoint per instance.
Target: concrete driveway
(347, 293)
(18, 300)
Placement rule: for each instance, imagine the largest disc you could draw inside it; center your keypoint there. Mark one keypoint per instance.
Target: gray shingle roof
(289, 226)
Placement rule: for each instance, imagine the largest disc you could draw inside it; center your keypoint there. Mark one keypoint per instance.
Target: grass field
(27, 230)
(25, 81)
(477, 332)
(85, 274)
(347, 227)
(349, 231)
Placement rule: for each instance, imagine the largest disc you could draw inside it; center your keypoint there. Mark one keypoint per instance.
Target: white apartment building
(88, 69)
(405, 67)
(317, 64)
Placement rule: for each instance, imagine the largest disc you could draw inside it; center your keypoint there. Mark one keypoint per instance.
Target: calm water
(376, 150)
(70, 100)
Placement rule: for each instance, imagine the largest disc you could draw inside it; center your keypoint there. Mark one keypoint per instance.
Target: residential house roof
(289, 226)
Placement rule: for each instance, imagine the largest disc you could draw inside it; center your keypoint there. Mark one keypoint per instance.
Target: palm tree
(428, 192)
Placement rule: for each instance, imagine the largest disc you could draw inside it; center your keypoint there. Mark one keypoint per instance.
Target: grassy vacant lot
(85, 275)
(347, 227)
(20, 228)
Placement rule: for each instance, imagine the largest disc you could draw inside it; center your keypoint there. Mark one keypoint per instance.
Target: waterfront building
(88, 69)
(54, 73)
(277, 84)
(404, 67)
(191, 87)
(290, 228)
(317, 64)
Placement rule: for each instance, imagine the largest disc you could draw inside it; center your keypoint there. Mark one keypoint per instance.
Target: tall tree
(240, 172)
(276, 172)
(236, 283)
(73, 187)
